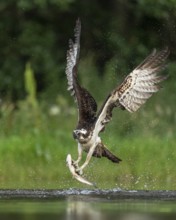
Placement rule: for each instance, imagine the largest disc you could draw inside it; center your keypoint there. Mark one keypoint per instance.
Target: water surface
(87, 204)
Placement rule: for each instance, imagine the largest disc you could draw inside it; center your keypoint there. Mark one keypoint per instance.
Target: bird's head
(80, 134)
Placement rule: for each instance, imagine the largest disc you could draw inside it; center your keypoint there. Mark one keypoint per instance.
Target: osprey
(133, 92)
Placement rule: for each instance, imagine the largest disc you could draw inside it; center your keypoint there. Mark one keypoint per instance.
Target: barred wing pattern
(137, 87)
(143, 82)
(87, 106)
(73, 58)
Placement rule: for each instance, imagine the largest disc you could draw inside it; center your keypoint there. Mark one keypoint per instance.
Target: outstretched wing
(137, 87)
(73, 58)
(87, 106)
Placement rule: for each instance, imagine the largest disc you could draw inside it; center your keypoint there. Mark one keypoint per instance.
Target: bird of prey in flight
(130, 95)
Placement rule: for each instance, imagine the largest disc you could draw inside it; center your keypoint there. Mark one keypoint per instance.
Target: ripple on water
(115, 193)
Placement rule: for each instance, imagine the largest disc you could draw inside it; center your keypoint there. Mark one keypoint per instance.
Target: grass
(35, 139)
(33, 156)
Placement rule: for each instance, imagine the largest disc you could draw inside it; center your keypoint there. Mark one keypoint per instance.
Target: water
(87, 204)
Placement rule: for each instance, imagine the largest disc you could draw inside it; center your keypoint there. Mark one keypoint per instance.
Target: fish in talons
(76, 174)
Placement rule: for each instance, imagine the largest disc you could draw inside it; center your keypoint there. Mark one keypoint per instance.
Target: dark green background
(116, 35)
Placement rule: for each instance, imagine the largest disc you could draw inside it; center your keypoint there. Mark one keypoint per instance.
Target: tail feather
(102, 151)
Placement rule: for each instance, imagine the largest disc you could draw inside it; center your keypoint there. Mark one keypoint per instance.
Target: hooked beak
(75, 136)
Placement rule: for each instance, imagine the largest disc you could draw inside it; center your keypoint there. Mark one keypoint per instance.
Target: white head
(80, 134)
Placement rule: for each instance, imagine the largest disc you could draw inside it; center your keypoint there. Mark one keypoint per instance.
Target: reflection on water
(131, 210)
(79, 210)
(75, 208)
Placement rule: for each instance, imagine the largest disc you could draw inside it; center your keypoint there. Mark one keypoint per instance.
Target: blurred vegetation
(116, 35)
(37, 114)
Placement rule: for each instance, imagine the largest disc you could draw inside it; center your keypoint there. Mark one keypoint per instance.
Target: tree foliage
(115, 32)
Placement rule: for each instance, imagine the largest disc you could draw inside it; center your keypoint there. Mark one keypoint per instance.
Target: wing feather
(140, 95)
(87, 106)
(136, 89)
(73, 58)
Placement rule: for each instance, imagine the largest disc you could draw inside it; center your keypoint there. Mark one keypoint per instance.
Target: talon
(71, 162)
(75, 164)
(79, 171)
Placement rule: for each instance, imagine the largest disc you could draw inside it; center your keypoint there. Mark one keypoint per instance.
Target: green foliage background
(37, 114)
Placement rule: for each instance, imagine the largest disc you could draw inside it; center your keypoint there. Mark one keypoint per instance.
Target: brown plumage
(102, 151)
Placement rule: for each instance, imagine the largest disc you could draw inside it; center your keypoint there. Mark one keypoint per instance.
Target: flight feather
(136, 89)
(87, 106)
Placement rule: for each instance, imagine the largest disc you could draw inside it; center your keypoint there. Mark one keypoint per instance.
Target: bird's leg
(76, 162)
(89, 155)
